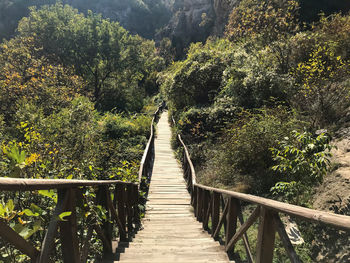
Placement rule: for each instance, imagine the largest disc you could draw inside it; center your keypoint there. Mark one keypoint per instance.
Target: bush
(255, 79)
(302, 160)
(196, 81)
(323, 86)
(243, 159)
(265, 20)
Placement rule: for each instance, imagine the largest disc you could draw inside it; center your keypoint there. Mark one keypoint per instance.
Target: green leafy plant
(302, 161)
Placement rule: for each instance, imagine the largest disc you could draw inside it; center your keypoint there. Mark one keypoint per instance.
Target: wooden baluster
(136, 206)
(266, 236)
(232, 215)
(189, 179)
(242, 231)
(223, 206)
(68, 231)
(106, 230)
(250, 257)
(199, 204)
(120, 194)
(206, 209)
(194, 199)
(49, 239)
(294, 258)
(215, 213)
(11, 236)
(130, 208)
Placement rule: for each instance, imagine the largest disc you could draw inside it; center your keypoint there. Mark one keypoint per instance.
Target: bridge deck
(171, 233)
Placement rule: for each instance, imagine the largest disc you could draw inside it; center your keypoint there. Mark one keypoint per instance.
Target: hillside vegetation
(258, 103)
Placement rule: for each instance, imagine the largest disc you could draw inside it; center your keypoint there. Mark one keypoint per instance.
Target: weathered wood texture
(17, 184)
(170, 231)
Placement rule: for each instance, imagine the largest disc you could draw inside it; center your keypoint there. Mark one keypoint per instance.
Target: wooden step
(170, 232)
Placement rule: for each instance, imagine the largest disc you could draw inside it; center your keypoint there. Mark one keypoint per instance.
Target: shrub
(323, 86)
(256, 81)
(196, 81)
(243, 159)
(266, 20)
(302, 160)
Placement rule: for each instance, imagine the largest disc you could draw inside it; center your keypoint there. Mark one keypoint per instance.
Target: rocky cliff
(195, 20)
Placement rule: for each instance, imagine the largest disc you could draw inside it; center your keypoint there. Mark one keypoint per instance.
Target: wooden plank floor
(171, 233)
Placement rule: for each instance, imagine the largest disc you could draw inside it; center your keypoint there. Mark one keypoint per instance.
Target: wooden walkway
(171, 233)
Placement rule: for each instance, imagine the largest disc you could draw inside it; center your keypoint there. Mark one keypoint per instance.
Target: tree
(89, 43)
(102, 52)
(197, 80)
(266, 20)
(25, 77)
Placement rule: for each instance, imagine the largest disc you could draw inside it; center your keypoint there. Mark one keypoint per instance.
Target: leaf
(10, 206)
(29, 212)
(48, 193)
(63, 215)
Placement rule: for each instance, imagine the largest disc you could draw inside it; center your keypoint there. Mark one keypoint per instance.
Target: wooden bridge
(184, 221)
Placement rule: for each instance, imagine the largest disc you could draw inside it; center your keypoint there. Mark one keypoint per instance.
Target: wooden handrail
(148, 146)
(17, 184)
(267, 211)
(316, 216)
(148, 155)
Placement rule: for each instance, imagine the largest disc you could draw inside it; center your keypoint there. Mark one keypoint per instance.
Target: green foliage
(26, 78)
(102, 52)
(254, 80)
(322, 71)
(265, 21)
(7, 211)
(302, 160)
(243, 158)
(196, 80)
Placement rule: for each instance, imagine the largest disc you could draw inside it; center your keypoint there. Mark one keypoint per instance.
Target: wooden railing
(223, 207)
(121, 213)
(146, 164)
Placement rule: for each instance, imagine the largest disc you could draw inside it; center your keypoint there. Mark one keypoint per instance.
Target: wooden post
(199, 204)
(215, 213)
(49, 239)
(232, 215)
(206, 199)
(194, 199)
(68, 231)
(120, 195)
(136, 206)
(130, 207)
(106, 226)
(266, 237)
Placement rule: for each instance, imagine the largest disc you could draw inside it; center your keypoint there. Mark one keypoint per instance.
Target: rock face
(195, 20)
(334, 196)
(143, 17)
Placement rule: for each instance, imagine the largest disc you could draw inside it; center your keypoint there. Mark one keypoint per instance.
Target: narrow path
(171, 233)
